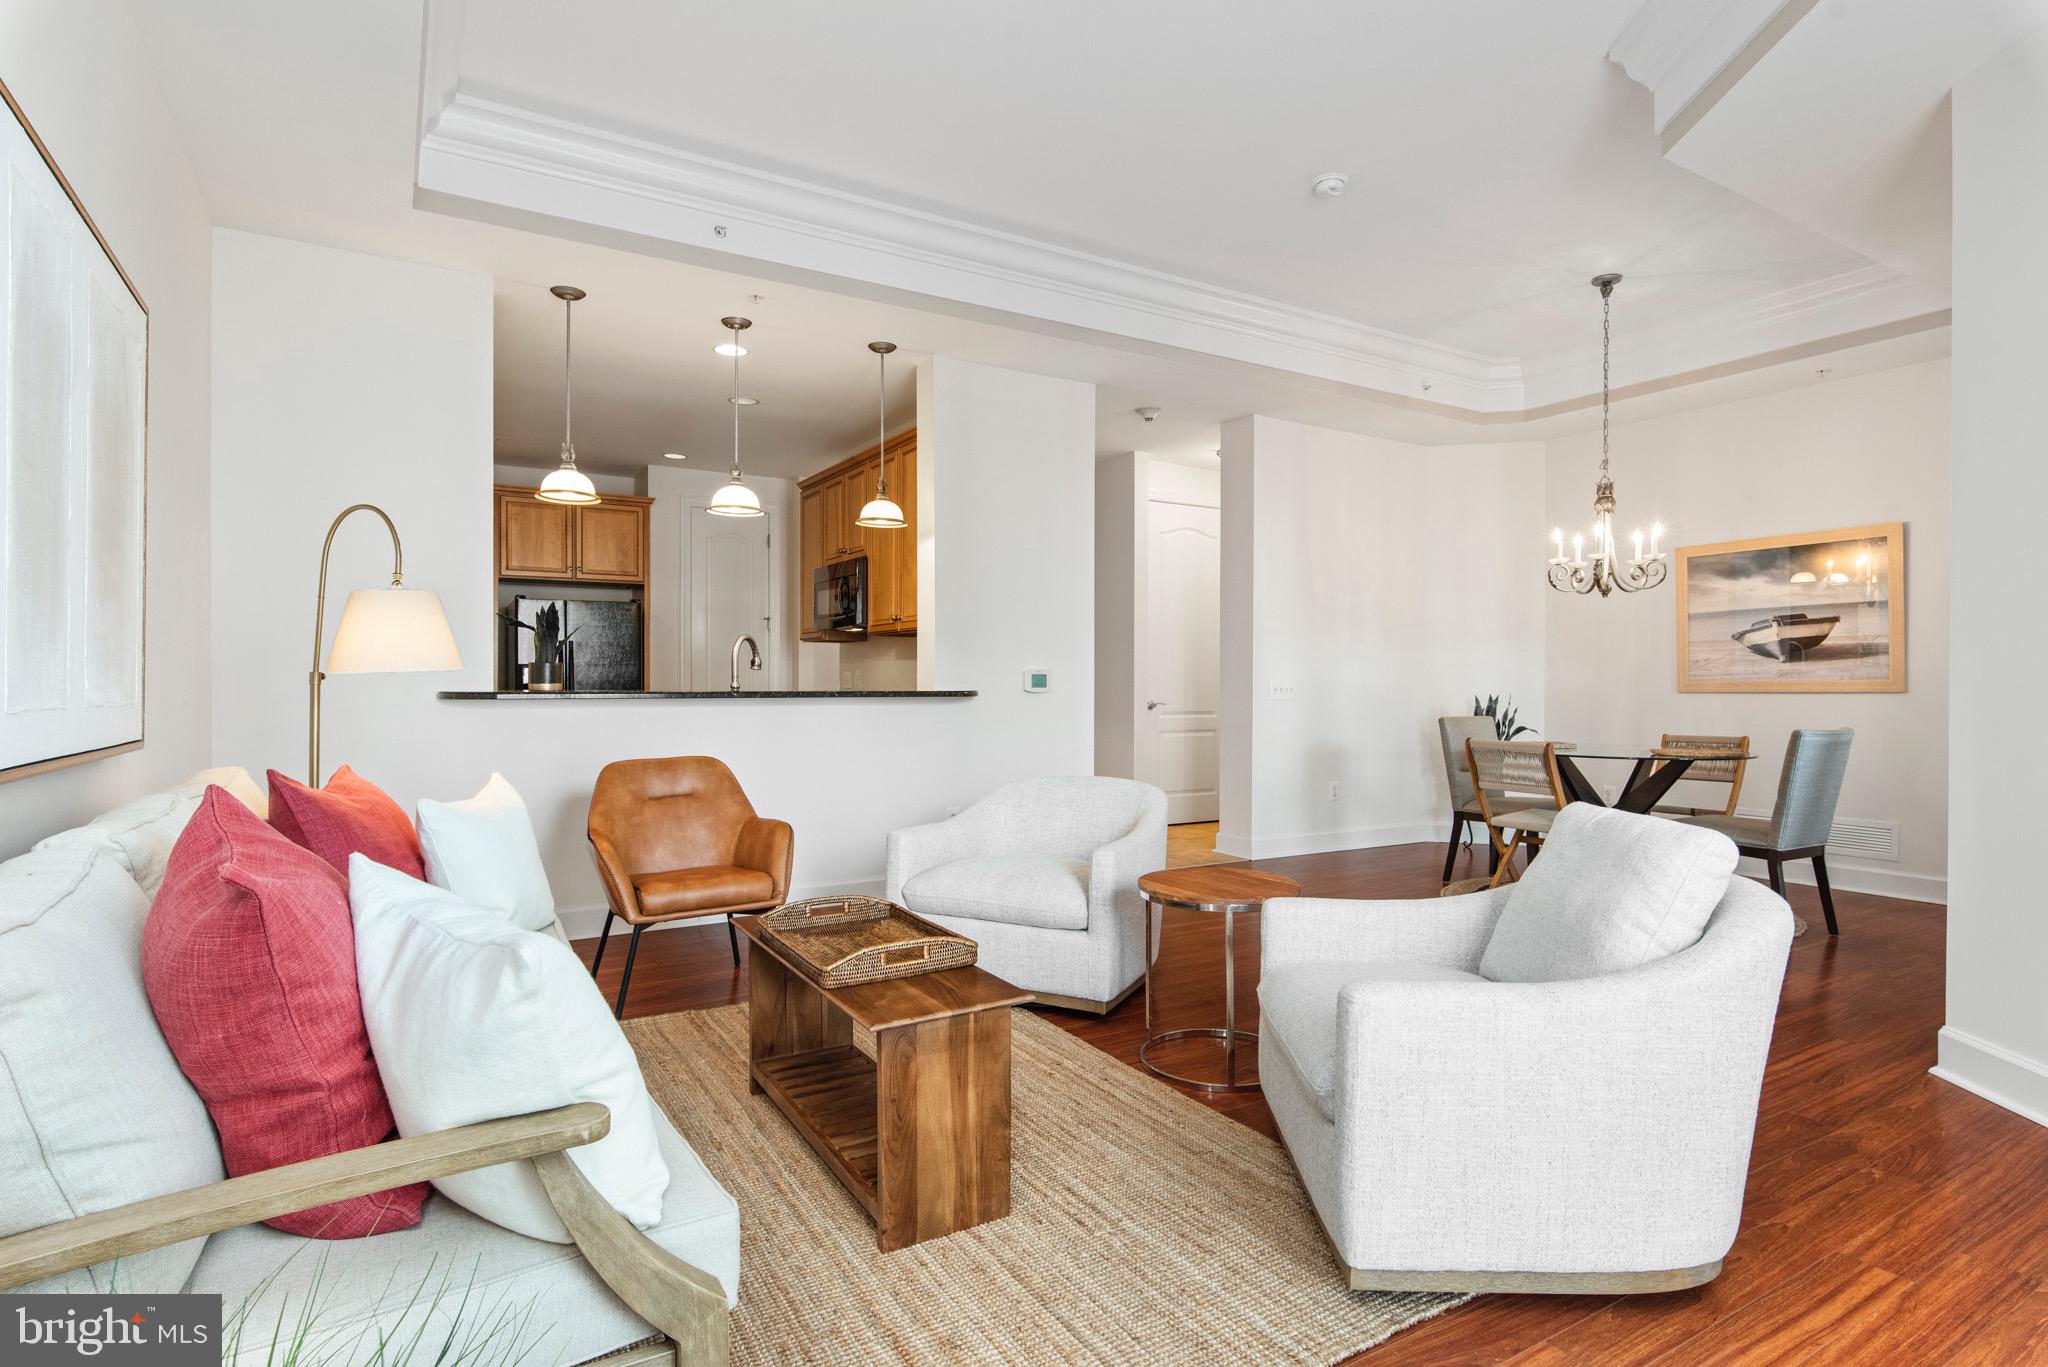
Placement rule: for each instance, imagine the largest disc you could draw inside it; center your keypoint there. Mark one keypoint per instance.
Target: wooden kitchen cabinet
(611, 543)
(536, 540)
(832, 499)
(603, 543)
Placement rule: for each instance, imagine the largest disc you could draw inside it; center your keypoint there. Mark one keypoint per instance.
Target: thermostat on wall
(1036, 681)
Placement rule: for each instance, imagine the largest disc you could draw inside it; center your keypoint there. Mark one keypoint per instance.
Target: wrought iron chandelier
(1605, 570)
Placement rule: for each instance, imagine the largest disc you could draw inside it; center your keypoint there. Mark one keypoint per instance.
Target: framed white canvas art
(74, 365)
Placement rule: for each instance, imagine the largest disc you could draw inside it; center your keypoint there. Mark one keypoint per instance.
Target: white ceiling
(1497, 159)
(1487, 184)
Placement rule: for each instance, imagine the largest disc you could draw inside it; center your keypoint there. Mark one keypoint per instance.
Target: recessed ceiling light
(673, 455)
(742, 401)
(730, 349)
(1329, 184)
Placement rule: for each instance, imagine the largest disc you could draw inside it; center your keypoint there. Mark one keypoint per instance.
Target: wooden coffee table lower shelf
(901, 1086)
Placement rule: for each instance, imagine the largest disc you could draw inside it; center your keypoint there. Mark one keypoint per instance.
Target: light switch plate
(1036, 681)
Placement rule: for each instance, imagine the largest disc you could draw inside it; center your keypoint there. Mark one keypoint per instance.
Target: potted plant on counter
(545, 674)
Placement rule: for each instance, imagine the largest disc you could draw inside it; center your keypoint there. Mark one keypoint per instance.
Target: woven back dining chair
(1728, 770)
(1520, 795)
(1453, 732)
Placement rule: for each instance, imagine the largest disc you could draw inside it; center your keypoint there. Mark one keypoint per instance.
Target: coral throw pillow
(350, 815)
(248, 957)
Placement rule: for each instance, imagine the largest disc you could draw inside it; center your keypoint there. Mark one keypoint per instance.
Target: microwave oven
(839, 600)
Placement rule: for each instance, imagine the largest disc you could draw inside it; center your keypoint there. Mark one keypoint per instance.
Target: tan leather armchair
(676, 839)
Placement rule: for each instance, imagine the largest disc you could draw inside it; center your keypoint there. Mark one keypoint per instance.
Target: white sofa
(1586, 1133)
(1043, 875)
(95, 1116)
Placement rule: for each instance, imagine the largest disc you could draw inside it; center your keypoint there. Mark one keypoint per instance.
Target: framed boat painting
(1820, 612)
(74, 365)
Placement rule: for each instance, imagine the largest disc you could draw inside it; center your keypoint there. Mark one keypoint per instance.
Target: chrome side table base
(1231, 1037)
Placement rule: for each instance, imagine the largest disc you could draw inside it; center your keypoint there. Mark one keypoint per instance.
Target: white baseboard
(1322, 842)
(2014, 1081)
(1911, 887)
(583, 923)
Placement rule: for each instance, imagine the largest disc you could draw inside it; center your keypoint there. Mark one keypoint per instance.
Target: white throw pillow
(1611, 891)
(94, 1111)
(141, 831)
(482, 849)
(472, 1018)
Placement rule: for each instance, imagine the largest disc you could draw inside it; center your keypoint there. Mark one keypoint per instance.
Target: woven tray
(840, 941)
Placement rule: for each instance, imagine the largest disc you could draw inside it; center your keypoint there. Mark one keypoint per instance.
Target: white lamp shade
(880, 512)
(393, 631)
(735, 500)
(567, 485)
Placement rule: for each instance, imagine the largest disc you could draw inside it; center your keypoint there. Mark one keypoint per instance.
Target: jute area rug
(1146, 1230)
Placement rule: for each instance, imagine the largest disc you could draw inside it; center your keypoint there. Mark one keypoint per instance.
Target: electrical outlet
(1334, 792)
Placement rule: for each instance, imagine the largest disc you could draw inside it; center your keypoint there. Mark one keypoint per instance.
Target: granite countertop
(458, 695)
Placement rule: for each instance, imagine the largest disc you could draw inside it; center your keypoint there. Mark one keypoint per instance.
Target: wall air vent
(1856, 839)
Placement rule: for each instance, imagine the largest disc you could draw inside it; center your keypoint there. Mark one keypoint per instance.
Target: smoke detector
(1329, 185)
(1149, 414)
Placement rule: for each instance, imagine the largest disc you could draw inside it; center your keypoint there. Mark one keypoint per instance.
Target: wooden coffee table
(1214, 888)
(902, 1086)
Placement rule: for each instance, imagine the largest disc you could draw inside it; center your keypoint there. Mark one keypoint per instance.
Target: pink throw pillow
(249, 960)
(349, 814)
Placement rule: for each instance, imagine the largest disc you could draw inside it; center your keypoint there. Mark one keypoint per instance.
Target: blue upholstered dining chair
(1808, 788)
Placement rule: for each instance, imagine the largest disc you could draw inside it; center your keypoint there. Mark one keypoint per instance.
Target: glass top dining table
(1654, 769)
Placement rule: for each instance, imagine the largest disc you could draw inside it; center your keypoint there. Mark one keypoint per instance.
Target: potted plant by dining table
(545, 674)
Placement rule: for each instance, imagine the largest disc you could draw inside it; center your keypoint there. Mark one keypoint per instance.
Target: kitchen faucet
(754, 664)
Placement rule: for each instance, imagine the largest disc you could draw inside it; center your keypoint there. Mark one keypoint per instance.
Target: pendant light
(881, 510)
(1605, 571)
(735, 499)
(568, 484)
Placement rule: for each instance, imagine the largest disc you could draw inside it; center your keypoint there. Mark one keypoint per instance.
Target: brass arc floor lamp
(382, 631)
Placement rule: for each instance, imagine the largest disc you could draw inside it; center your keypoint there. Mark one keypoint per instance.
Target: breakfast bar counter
(770, 695)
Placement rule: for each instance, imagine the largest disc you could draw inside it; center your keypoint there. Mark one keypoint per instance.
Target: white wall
(1996, 1039)
(1383, 584)
(384, 394)
(339, 379)
(1120, 589)
(1845, 453)
(79, 72)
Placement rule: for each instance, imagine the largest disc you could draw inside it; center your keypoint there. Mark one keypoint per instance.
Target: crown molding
(497, 157)
(1867, 300)
(488, 151)
(1685, 51)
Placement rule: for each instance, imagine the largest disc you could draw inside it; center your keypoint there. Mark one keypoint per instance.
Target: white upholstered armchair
(1548, 1086)
(1043, 875)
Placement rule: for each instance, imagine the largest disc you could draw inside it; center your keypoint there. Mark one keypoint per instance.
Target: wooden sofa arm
(257, 1196)
(682, 1301)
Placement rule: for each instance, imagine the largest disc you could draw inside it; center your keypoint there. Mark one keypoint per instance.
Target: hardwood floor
(1194, 842)
(1890, 1217)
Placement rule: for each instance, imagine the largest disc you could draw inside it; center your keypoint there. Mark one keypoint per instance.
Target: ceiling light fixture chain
(1605, 570)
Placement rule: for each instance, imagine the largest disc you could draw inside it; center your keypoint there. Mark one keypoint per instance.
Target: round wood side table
(1212, 888)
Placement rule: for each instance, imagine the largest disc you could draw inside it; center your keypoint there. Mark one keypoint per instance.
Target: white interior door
(1181, 658)
(732, 593)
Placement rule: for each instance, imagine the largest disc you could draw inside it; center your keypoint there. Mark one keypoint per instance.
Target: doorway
(1178, 750)
(732, 594)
